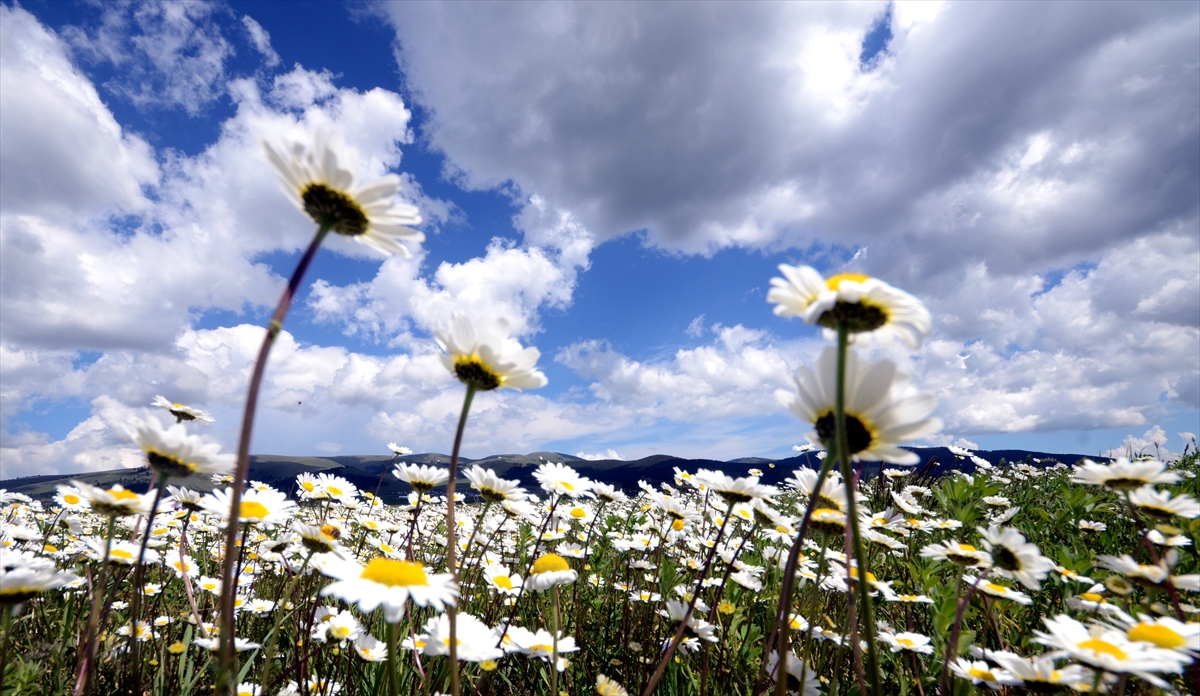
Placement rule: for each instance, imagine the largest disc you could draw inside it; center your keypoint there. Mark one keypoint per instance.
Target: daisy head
(390, 583)
(550, 570)
(867, 306)
(485, 357)
(316, 182)
(182, 413)
(173, 452)
(1123, 475)
(422, 478)
(882, 410)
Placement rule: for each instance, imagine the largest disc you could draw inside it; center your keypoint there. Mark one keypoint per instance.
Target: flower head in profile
(182, 413)
(114, 502)
(485, 357)
(422, 478)
(739, 490)
(882, 410)
(172, 452)
(266, 508)
(561, 479)
(548, 571)
(492, 488)
(390, 583)
(398, 450)
(316, 182)
(1123, 475)
(867, 305)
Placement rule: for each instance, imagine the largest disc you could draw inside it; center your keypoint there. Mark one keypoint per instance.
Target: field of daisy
(1027, 577)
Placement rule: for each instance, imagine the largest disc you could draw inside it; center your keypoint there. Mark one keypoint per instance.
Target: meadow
(1031, 577)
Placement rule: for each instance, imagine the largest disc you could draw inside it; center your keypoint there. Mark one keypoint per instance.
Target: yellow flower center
(539, 648)
(1102, 646)
(503, 581)
(49, 548)
(550, 563)
(1157, 634)
(983, 674)
(308, 486)
(71, 499)
(386, 571)
(176, 648)
(330, 532)
(120, 553)
(967, 547)
(253, 510)
(1092, 597)
(488, 665)
(906, 642)
(996, 588)
(122, 494)
(578, 513)
(678, 525)
(334, 491)
(834, 282)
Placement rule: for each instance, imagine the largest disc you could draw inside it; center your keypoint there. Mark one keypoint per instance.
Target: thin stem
(279, 611)
(83, 682)
(451, 542)
(554, 647)
(952, 648)
(227, 658)
(138, 577)
(868, 617)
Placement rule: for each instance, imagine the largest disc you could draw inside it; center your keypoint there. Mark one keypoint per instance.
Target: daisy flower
(22, 583)
(913, 642)
(548, 571)
(501, 580)
(266, 508)
(540, 644)
(173, 452)
(182, 413)
(1123, 475)
(560, 479)
(964, 555)
(979, 672)
(867, 305)
(1091, 526)
(1108, 649)
(370, 648)
(1038, 673)
(1160, 504)
(1014, 557)
(997, 590)
(739, 490)
(337, 487)
(114, 502)
(319, 186)
(422, 478)
(476, 642)
(609, 687)
(492, 488)
(398, 450)
(391, 583)
(1162, 632)
(485, 357)
(881, 409)
(795, 673)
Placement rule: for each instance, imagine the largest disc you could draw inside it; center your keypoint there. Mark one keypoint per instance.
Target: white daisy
(1160, 504)
(1014, 557)
(422, 478)
(182, 413)
(486, 357)
(1123, 475)
(548, 571)
(173, 452)
(1108, 649)
(391, 583)
(370, 213)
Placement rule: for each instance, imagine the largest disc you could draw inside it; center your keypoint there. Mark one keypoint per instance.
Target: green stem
(279, 611)
(83, 680)
(554, 647)
(451, 542)
(139, 577)
(227, 669)
(868, 617)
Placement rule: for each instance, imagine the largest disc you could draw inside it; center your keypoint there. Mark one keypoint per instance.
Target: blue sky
(620, 181)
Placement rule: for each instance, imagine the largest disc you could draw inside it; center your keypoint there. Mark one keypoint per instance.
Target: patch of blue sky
(876, 40)
(1054, 277)
(55, 418)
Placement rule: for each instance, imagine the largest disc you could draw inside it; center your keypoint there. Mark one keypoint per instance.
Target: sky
(619, 181)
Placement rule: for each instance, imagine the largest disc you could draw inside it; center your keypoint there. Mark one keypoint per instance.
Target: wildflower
(248, 689)
(144, 632)
(1091, 526)
(1014, 557)
(422, 478)
(1123, 475)
(370, 648)
(996, 590)
(1108, 648)
(964, 555)
(390, 583)
(476, 642)
(979, 672)
(1038, 673)
(121, 552)
(880, 411)
(609, 687)
(1160, 504)
(70, 498)
(258, 507)
(369, 213)
(337, 487)
(913, 642)
(795, 673)
(697, 628)
(501, 580)
(1164, 632)
(23, 583)
(317, 539)
(548, 571)
(239, 644)
(173, 452)
(114, 502)
(492, 488)
(182, 413)
(485, 357)
(562, 480)
(398, 450)
(540, 644)
(867, 305)
(739, 490)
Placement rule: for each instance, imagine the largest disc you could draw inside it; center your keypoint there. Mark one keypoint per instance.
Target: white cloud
(172, 53)
(261, 40)
(609, 453)
(695, 328)
(1152, 442)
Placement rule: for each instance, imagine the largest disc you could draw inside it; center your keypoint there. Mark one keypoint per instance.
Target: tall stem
(83, 682)
(451, 542)
(139, 576)
(227, 658)
(863, 586)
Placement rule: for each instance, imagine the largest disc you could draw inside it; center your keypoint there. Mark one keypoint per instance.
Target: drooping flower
(22, 583)
(398, 450)
(1014, 557)
(882, 410)
(486, 357)
(1123, 475)
(869, 306)
(172, 452)
(370, 214)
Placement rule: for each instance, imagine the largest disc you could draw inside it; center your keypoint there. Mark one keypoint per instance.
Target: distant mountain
(370, 472)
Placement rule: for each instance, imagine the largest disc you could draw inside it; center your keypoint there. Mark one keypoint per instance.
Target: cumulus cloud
(609, 453)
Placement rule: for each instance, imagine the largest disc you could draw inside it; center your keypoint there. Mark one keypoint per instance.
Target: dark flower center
(472, 371)
(859, 317)
(858, 438)
(167, 465)
(330, 206)
(1005, 559)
